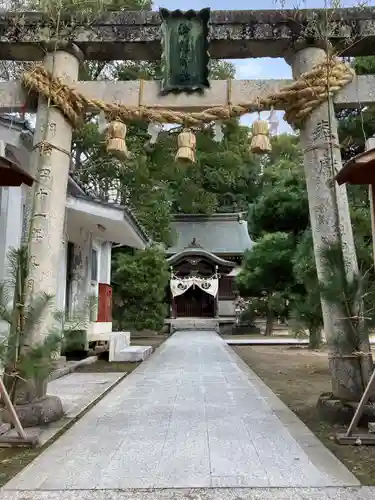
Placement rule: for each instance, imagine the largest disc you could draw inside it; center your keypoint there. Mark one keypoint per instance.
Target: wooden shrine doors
(195, 303)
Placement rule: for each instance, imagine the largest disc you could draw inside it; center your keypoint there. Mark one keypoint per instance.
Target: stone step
(194, 324)
(132, 354)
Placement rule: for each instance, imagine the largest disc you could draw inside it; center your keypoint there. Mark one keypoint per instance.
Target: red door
(105, 303)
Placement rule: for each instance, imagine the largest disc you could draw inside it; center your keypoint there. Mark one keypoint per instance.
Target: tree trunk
(269, 323)
(347, 383)
(315, 337)
(348, 380)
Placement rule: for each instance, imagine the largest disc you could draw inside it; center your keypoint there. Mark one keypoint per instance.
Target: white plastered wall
(11, 208)
(83, 286)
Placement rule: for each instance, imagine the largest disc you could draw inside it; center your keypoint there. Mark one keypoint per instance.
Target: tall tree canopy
(282, 202)
(278, 217)
(140, 280)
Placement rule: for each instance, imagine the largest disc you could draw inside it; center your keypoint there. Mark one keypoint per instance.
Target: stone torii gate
(137, 36)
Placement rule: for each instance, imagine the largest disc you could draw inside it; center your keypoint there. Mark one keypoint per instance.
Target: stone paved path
(192, 416)
(347, 493)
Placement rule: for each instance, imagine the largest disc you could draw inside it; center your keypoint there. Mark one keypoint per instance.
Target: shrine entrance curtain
(180, 285)
(210, 286)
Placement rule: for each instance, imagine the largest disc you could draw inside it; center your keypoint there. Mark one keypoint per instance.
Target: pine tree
(24, 361)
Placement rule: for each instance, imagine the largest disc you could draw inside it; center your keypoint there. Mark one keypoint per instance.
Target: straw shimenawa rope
(298, 99)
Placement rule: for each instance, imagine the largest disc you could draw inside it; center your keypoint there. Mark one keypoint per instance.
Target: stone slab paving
(192, 416)
(274, 341)
(362, 493)
(267, 341)
(77, 392)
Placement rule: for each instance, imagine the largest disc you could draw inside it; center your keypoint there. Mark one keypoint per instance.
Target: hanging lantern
(116, 144)
(186, 143)
(260, 142)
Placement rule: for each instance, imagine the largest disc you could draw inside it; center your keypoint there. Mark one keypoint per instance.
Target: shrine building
(204, 261)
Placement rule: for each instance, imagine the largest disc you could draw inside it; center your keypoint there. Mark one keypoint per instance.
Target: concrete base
(99, 331)
(133, 354)
(334, 410)
(118, 341)
(40, 412)
(245, 329)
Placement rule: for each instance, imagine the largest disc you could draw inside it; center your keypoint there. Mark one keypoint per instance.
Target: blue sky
(251, 69)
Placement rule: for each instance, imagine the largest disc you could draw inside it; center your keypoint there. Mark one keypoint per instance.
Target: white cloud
(248, 69)
(263, 68)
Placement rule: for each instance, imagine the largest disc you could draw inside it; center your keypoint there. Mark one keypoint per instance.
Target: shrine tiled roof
(225, 234)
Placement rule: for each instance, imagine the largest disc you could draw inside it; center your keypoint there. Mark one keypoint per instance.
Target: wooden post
(348, 437)
(12, 412)
(372, 210)
(217, 295)
(173, 303)
(173, 308)
(370, 144)
(361, 405)
(22, 440)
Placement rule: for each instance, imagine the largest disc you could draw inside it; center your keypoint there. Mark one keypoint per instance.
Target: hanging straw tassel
(186, 143)
(116, 144)
(260, 142)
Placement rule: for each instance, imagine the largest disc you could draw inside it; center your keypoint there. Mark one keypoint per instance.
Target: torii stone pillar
(50, 164)
(319, 141)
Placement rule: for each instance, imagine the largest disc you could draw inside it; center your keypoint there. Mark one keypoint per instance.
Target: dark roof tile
(218, 233)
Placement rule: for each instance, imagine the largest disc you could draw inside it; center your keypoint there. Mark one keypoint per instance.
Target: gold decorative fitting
(116, 143)
(186, 143)
(260, 142)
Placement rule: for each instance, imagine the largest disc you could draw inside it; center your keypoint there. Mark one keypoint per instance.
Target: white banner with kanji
(181, 285)
(210, 286)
